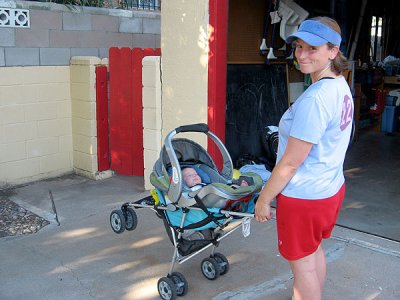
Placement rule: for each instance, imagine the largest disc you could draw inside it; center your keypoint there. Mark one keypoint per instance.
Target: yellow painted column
(84, 124)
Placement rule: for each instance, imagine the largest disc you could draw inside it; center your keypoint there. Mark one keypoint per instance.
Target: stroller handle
(200, 127)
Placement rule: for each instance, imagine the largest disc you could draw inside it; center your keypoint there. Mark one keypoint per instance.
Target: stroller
(195, 220)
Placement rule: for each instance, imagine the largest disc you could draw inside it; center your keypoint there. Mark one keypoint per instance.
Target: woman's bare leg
(309, 276)
(321, 266)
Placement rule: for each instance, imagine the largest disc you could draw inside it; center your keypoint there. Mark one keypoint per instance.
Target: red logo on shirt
(347, 113)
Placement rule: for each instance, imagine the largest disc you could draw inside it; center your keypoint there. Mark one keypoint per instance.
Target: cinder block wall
(152, 120)
(58, 32)
(35, 123)
(84, 125)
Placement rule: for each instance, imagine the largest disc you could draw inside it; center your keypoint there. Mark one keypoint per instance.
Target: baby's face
(191, 177)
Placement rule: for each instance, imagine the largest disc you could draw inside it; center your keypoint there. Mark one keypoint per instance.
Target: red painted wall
(217, 74)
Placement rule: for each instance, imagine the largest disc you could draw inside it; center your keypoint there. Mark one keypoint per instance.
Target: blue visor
(315, 33)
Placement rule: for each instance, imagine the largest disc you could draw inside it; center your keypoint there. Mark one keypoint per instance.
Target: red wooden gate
(126, 121)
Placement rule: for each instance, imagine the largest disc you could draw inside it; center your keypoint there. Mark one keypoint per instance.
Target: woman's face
(313, 59)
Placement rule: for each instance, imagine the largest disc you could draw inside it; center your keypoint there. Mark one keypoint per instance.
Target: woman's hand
(262, 211)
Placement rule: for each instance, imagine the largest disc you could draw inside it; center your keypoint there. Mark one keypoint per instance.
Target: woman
(308, 180)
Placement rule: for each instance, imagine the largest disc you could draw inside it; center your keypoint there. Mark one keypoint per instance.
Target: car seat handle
(200, 127)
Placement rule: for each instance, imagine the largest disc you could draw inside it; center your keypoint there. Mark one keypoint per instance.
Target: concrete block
(152, 119)
(84, 61)
(151, 61)
(51, 92)
(131, 25)
(103, 53)
(8, 4)
(151, 25)
(105, 23)
(120, 39)
(54, 128)
(144, 40)
(2, 59)
(21, 57)
(96, 39)
(31, 37)
(12, 151)
(84, 51)
(12, 114)
(35, 75)
(65, 143)
(84, 127)
(65, 39)
(55, 162)
(42, 147)
(44, 19)
(12, 95)
(55, 56)
(7, 37)
(80, 70)
(150, 158)
(149, 97)
(12, 133)
(83, 91)
(2, 135)
(31, 130)
(146, 14)
(17, 170)
(158, 41)
(149, 77)
(85, 144)
(84, 109)
(74, 21)
(64, 109)
(85, 161)
(152, 139)
(40, 111)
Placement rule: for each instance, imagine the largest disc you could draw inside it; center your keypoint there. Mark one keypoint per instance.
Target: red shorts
(302, 224)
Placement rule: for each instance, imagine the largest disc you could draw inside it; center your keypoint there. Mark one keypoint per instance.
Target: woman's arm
(296, 152)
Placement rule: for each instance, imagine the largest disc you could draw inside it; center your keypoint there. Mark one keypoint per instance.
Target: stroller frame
(174, 283)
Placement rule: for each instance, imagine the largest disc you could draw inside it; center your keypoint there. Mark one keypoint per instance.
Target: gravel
(16, 220)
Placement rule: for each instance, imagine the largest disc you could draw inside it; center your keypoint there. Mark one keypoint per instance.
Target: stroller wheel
(180, 283)
(210, 268)
(223, 263)
(166, 288)
(117, 221)
(131, 219)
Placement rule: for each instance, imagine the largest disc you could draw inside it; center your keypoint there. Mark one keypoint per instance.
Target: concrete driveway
(84, 259)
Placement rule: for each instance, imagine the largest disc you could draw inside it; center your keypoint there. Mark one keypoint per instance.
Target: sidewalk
(84, 259)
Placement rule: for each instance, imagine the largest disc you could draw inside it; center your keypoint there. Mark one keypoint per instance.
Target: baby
(192, 179)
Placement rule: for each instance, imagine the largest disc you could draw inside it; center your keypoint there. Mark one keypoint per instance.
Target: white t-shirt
(323, 116)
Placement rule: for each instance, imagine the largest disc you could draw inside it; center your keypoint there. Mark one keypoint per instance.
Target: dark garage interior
(261, 88)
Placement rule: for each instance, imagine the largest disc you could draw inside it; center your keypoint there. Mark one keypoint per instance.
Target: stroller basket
(195, 219)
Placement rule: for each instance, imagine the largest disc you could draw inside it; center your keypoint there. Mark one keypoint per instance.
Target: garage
(262, 82)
